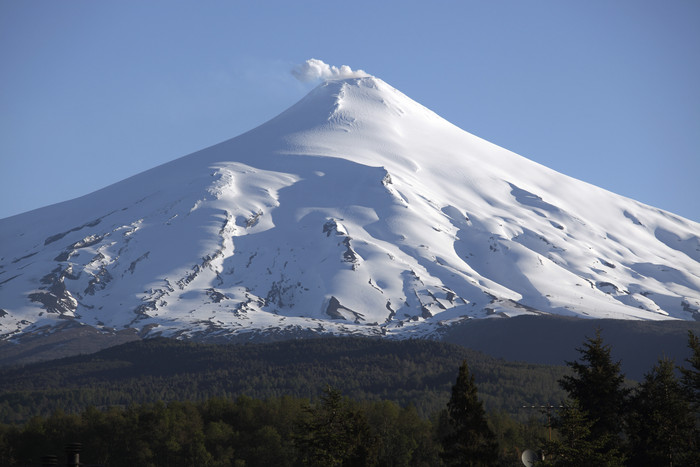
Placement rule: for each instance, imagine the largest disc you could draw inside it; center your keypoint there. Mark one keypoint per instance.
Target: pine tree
(335, 433)
(597, 386)
(691, 376)
(575, 447)
(660, 424)
(691, 385)
(469, 441)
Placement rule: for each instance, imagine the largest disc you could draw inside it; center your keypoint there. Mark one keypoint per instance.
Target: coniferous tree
(597, 387)
(575, 446)
(334, 434)
(691, 376)
(469, 441)
(691, 385)
(660, 423)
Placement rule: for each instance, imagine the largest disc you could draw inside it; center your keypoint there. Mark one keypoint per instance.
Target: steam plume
(314, 69)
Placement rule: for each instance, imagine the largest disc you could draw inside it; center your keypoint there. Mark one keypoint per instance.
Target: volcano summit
(357, 210)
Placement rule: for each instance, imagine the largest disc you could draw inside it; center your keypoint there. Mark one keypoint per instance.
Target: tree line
(605, 422)
(602, 421)
(417, 372)
(332, 430)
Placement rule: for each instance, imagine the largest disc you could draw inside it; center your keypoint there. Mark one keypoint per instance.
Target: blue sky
(92, 92)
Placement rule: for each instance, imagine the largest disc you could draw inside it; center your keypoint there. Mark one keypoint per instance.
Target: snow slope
(357, 210)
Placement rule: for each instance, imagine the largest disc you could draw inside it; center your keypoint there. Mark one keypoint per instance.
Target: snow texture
(357, 210)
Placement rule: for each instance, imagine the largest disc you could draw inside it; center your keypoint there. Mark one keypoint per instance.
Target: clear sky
(92, 92)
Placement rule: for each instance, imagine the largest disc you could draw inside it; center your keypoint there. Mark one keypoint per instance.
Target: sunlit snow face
(356, 210)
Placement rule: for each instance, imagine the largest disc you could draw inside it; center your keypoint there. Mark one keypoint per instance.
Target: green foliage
(598, 388)
(336, 433)
(691, 376)
(468, 439)
(690, 381)
(332, 430)
(576, 446)
(399, 436)
(661, 425)
(222, 427)
(661, 415)
(416, 372)
(514, 436)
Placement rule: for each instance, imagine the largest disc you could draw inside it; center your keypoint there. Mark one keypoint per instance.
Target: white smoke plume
(314, 69)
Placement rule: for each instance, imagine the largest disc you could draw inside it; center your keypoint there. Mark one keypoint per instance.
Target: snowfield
(357, 210)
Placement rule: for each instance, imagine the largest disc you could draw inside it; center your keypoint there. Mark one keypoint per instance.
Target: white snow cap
(314, 69)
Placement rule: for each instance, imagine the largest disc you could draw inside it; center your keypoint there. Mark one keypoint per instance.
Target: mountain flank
(357, 211)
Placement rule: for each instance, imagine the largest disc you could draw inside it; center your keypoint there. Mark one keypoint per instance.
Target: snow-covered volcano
(357, 210)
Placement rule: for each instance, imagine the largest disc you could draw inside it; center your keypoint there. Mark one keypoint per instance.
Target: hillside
(417, 372)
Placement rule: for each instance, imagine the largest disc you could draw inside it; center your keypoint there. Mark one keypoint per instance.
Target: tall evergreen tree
(597, 387)
(691, 376)
(660, 422)
(336, 434)
(691, 384)
(469, 440)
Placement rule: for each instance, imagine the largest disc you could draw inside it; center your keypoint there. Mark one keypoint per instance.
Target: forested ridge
(601, 419)
(416, 372)
(331, 430)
